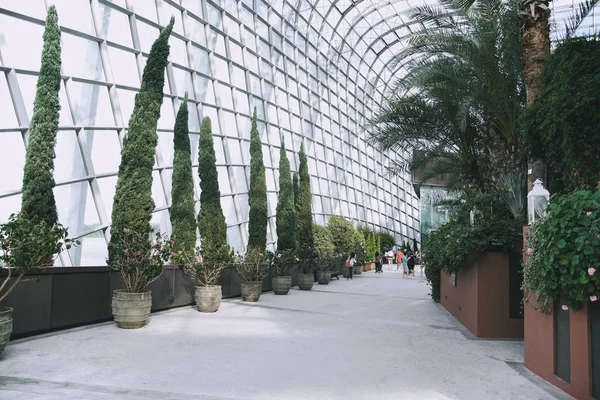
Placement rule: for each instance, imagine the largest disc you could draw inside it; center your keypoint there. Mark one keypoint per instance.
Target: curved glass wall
(314, 69)
(230, 57)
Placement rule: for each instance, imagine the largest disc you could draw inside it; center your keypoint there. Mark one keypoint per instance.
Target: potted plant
(360, 250)
(306, 244)
(324, 250)
(204, 266)
(140, 262)
(252, 268)
(283, 260)
(287, 226)
(25, 245)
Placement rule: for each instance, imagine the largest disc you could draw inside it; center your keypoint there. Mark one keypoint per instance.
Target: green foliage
(211, 221)
(203, 273)
(370, 248)
(386, 241)
(306, 244)
(287, 231)
(415, 245)
(342, 232)
(562, 126)
(324, 246)
(252, 266)
(458, 103)
(459, 243)
(139, 261)
(257, 194)
(359, 247)
(25, 245)
(377, 244)
(133, 204)
(563, 257)
(296, 190)
(38, 203)
(183, 212)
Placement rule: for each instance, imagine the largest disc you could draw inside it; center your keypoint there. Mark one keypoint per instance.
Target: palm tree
(534, 18)
(461, 97)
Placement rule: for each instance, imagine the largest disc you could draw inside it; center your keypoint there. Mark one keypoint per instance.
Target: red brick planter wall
(540, 351)
(480, 300)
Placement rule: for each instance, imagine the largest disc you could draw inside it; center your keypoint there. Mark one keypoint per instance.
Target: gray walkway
(376, 337)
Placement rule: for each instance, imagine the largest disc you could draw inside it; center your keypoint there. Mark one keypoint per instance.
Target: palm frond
(574, 21)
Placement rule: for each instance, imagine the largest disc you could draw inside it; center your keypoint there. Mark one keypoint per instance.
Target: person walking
(411, 264)
(350, 265)
(378, 266)
(404, 265)
(399, 256)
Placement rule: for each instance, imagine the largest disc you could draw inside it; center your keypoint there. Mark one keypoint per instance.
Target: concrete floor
(375, 337)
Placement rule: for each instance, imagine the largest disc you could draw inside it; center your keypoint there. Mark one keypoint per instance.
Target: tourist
(399, 256)
(411, 264)
(378, 268)
(404, 265)
(350, 265)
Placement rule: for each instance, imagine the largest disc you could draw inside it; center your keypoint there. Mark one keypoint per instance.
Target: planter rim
(6, 310)
(208, 286)
(128, 292)
(251, 281)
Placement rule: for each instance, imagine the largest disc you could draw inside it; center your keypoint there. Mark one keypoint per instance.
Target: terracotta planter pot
(208, 298)
(6, 326)
(251, 291)
(282, 284)
(305, 281)
(323, 277)
(131, 310)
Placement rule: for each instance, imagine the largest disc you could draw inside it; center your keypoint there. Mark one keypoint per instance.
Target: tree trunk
(535, 48)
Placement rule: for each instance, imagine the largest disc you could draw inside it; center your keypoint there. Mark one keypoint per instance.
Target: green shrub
(306, 244)
(386, 241)
(459, 242)
(342, 232)
(257, 195)
(296, 190)
(415, 245)
(38, 203)
(211, 221)
(287, 230)
(359, 247)
(324, 247)
(183, 212)
(563, 254)
(562, 127)
(133, 204)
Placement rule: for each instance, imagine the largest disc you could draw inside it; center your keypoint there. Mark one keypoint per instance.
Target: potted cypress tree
(130, 251)
(252, 266)
(24, 246)
(34, 237)
(306, 244)
(360, 249)
(214, 252)
(287, 231)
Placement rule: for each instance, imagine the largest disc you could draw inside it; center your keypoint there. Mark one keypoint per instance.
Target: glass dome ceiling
(365, 34)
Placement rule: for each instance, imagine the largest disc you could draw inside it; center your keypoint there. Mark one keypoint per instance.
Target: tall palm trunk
(534, 18)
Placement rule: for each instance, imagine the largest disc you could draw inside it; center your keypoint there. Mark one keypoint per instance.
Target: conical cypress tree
(38, 203)
(296, 191)
(306, 243)
(133, 204)
(286, 211)
(257, 195)
(183, 213)
(211, 221)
